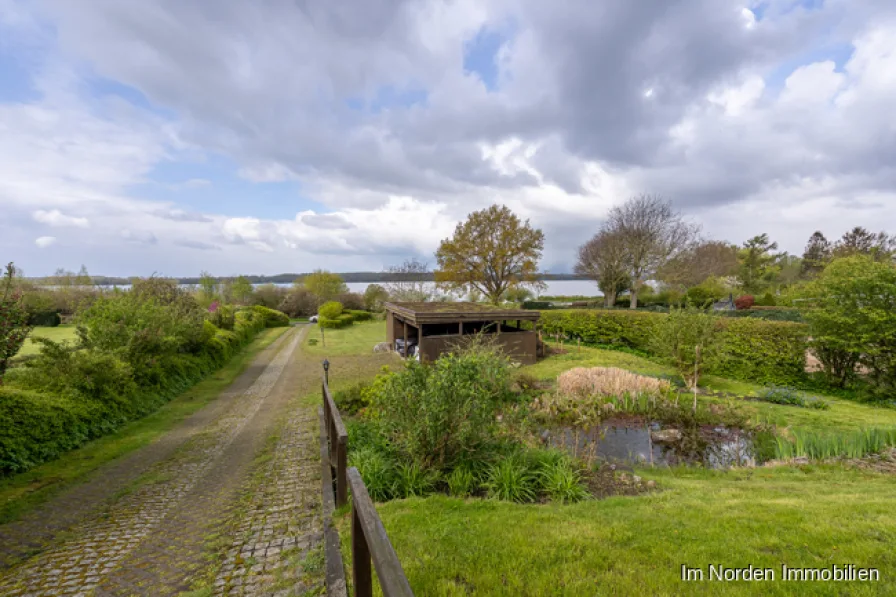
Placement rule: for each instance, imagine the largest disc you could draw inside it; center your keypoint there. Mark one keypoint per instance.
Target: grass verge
(357, 339)
(21, 493)
(57, 334)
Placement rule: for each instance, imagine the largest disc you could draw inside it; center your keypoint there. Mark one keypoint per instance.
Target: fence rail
(369, 540)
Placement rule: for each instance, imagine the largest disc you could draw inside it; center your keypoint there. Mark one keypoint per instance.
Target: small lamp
(326, 364)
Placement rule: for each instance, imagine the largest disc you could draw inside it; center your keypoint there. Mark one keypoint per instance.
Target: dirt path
(237, 480)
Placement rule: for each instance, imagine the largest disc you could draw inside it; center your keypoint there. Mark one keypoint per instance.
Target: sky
(175, 136)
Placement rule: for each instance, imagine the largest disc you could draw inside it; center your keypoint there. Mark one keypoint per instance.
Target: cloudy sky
(274, 136)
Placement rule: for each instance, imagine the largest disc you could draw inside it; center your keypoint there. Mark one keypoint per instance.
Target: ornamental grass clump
(609, 381)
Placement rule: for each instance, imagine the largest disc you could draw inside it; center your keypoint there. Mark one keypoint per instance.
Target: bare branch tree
(653, 233)
(701, 260)
(409, 281)
(604, 259)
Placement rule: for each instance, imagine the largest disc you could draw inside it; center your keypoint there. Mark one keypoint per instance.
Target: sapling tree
(14, 326)
(687, 339)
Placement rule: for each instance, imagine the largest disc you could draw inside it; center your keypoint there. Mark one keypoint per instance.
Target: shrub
(461, 482)
(687, 338)
(766, 300)
(352, 399)
(536, 305)
(744, 302)
(608, 381)
(562, 482)
(633, 329)
(512, 481)
(298, 303)
(13, 320)
(377, 471)
(350, 300)
(271, 296)
(330, 310)
(47, 319)
(360, 315)
(272, 318)
(411, 480)
(333, 323)
(374, 297)
(221, 316)
(436, 415)
(791, 397)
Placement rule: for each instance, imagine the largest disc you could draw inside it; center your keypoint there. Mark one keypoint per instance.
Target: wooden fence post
(361, 573)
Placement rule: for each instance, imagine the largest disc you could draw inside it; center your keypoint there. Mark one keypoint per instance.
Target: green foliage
(536, 305)
(272, 318)
(374, 297)
(758, 263)
(687, 338)
(340, 322)
(377, 471)
(411, 480)
(852, 320)
(710, 290)
(324, 285)
(766, 300)
(791, 397)
(461, 482)
(749, 349)
(352, 399)
(330, 310)
(208, 288)
(358, 315)
(46, 319)
(824, 445)
(298, 303)
(512, 480)
(562, 482)
(221, 316)
(241, 290)
(14, 326)
(769, 314)
(437, 415)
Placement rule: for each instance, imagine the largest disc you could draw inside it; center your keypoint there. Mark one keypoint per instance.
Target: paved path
(229, 500)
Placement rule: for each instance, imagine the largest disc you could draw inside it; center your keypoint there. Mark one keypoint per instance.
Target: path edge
(335, 568)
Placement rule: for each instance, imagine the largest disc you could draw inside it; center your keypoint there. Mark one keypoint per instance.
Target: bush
(360, 315)
(298, 303)
(461, 482)
(536, 305)
(351, 300)
(347, 319)
(272, 318)
(437, 415)
(687, 338)
(633, 329)
(766, 300)
(377, 471)
(512, 481)
(744, 302)
(374, 297)
(330, 310)
(47, 319)
(562, 482)
(791, 397)
(333, 323)
(271, 296)
(352, 399)
(221, 316)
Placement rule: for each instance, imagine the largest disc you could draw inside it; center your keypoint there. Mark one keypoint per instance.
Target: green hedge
(343, 321)
(272, 317)
(65, 397)
(768, 313)
(47, 319)
(752, 349)
(360, 315)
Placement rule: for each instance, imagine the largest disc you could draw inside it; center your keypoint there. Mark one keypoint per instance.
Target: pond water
(657, 444)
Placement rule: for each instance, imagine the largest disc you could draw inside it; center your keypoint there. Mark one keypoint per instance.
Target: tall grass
(820, 446)
(609, 381)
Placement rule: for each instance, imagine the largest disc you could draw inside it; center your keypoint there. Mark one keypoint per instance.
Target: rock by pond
(638, 442)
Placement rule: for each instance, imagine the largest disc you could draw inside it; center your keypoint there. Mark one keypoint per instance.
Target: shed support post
(460, 328)
(405, 328)
(420, 341)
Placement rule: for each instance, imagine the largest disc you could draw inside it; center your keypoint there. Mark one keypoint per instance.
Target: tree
(604, 259)
(492, 251)
(758, 264)
(241, 290)
(654, 233)
(208, 287)
(13, 320)
(858, 241)
(324, 285)
(686, 339)
(408, 281)
(698, 262)
(517, 295)
(816, 255)
(851, 312)
(374, 297)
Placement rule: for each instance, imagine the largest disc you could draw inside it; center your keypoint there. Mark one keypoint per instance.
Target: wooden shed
(436, 327)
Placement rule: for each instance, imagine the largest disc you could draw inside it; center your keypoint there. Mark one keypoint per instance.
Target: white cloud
(56, 218)
(44, 241)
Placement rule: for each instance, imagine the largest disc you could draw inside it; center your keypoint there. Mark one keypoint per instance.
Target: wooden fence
(369, 540)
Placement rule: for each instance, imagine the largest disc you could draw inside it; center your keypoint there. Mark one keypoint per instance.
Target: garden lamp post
(327, 371)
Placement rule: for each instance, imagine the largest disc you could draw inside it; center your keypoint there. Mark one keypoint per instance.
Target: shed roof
(437, 312)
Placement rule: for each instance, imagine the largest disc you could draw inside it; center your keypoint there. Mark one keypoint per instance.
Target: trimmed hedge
(360, 315)
(272, 317)
(752, 349)
(342, 321)
(64, 397)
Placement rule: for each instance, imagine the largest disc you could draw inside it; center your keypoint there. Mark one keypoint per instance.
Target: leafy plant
(352, 399)
(461, 482)
(562, 482)
(511, 480)
(330, 310)
(687, 339)
(411, 480)
(13, 320)
(791, 397)
(377, 471)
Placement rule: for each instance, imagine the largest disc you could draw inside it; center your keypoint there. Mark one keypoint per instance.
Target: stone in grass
(665, 436)
(382, 347)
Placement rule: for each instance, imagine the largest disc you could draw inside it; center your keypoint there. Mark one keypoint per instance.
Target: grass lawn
(357, 339)
(20, 493)
(811, 516)
(57, 334)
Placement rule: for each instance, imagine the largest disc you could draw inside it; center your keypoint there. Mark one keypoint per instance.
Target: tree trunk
(634, 296)
(610, 299)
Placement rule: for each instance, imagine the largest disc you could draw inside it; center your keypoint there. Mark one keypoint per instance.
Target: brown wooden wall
(519, 346)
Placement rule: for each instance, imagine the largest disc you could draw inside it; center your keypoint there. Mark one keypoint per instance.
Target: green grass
(57, 334)
(357, 339)
(810, 516)
(20, 493)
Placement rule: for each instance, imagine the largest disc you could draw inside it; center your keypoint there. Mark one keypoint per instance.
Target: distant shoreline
(350, 277)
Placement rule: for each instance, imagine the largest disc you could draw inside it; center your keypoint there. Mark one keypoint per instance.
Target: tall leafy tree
(604, 259)
(208, 287)
(758, 263)
(324, 285)
(817, 254)
(879, 246)
(241, 290)
(13, 320)
(491, 252)
(654, 233)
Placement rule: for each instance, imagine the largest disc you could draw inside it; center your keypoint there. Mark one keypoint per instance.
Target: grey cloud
(142, 237)
(195, 244)
(327, 221)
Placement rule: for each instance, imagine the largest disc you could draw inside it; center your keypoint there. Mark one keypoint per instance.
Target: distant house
(726, 305)
(429, 329)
